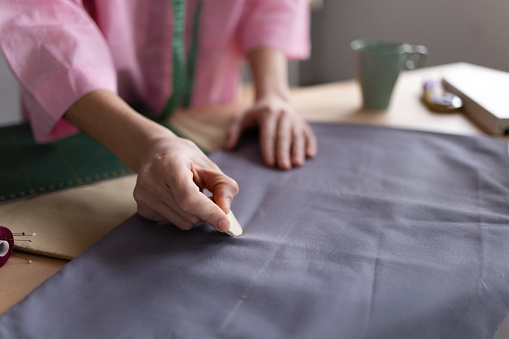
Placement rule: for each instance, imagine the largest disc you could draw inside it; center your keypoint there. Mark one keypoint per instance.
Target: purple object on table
(437, 99)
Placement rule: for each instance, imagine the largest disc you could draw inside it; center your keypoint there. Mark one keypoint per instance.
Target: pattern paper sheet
(388, 233)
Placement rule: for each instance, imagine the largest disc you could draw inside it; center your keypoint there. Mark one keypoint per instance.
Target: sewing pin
(29, 261)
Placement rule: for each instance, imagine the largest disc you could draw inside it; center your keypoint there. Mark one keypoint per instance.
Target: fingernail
(223, 225)
(285, 163)
(299, 159)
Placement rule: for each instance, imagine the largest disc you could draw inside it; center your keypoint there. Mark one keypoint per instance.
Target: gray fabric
(386, 234)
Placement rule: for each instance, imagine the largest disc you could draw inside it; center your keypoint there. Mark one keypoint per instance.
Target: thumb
(216, 217)
(238, 125)
(223, 192)
(223, 189)
(233, 134)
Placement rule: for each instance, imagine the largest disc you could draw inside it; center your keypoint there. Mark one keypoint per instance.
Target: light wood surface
(18, 278)
(335, 102)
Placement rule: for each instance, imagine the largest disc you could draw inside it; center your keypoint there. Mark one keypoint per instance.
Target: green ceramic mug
(378, 66)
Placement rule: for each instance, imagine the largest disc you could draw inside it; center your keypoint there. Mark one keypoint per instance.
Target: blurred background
(453, 30)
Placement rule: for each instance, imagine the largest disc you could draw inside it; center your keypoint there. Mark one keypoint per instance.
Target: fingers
(298, 147)
(268, 128)
(156, 202)
(287, 142)
(233, 134)
(170, 186)
(311, 143)
(167, 215)
(223, 192)
(184, 205)
(223, 188)
(193, 202)
(238, 125)
(284, 141)
(204, 209)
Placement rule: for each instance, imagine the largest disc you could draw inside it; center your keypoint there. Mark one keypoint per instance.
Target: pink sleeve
(281, 24)
(58, 55)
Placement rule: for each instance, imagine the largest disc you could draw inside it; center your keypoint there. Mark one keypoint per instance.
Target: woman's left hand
(286, 139)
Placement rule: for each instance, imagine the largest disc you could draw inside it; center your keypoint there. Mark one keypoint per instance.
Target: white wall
(453, 30)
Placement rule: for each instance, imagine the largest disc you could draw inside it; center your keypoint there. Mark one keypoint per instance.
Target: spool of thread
(6, 245)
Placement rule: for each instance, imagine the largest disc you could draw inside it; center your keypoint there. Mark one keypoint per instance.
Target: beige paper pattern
(69, 221)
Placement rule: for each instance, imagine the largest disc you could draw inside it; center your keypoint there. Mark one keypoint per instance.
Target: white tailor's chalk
(235, 228)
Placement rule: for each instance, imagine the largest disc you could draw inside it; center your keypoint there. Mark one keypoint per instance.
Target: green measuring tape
(183, 73)
(28, 169)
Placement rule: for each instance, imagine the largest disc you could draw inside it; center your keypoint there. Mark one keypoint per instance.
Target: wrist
(112, 122)
(269, 70)
(281, 94)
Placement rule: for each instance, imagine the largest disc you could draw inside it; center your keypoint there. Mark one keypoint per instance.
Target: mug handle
(416, 56)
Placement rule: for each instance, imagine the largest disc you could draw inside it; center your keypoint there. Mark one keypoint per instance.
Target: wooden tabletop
(335, 102)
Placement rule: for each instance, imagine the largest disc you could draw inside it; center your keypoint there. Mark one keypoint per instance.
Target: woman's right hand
(172, 172)
(171, 181)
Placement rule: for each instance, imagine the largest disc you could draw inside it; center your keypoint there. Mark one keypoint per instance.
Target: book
(485, 95)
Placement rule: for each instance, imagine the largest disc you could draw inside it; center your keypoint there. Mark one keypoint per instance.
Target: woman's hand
(286, 139)
(170, 186)
(172, 172)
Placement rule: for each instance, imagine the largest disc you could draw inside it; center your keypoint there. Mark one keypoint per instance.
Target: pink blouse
(62, 49)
